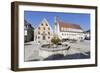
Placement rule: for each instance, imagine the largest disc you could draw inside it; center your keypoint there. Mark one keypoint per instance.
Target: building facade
(69, 31)
(28, 32)
(43, 32)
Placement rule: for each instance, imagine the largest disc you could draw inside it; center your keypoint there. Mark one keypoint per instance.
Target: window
(42, 24)
(64, 29)
(61, 28)
(38, 37)
(38, 41)
(38, 32)
(49, 33)
(48, 37)
(67, 29)
(46, 25)
(43, 37)
(25, 32)
(48, 28)
(39, 28)
(44, 28)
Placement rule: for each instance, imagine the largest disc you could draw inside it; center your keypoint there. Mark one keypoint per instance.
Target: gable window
(42, 24)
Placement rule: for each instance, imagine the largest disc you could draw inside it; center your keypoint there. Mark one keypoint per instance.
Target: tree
(55, 40)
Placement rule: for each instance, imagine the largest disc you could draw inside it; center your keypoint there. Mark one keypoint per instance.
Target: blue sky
(35, 17)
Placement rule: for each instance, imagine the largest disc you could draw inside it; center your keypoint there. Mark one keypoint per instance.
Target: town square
(61, 40)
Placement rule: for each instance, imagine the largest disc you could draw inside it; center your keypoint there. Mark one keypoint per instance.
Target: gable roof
(68, 25)
(44, 20)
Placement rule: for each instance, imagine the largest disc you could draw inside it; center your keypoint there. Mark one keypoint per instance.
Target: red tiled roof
(68, 25)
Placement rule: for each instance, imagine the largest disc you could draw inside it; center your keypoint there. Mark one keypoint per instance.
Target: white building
(87, 35)
(69, 31)
(43, 32)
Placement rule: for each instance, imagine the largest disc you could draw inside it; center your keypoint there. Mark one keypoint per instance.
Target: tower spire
(55, 25)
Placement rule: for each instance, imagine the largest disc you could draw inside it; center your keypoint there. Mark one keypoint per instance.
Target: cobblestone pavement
(31, 49)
